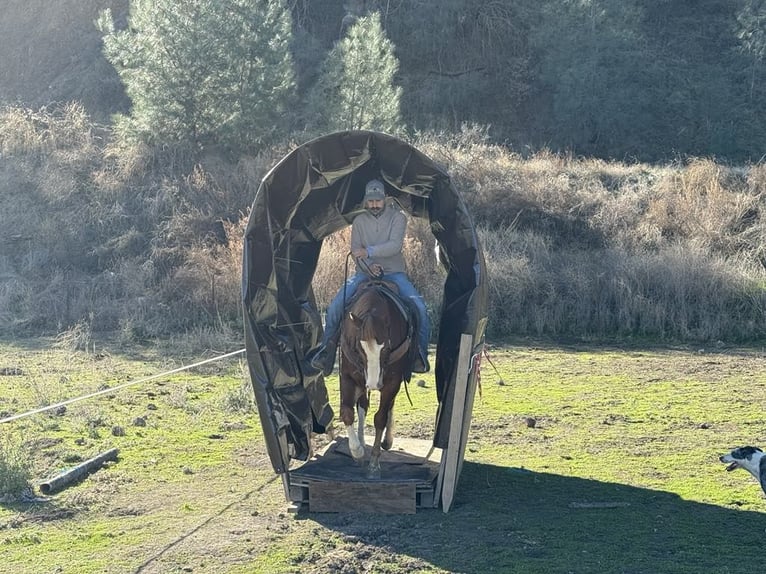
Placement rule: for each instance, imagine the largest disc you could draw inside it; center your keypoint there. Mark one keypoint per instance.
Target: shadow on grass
(512, 520)
(39, 511)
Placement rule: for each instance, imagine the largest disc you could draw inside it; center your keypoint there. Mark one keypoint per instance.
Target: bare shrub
(89, 420)
(240, 399)
(520, 289)
(16, 303)
(202, 341)
(62, 134)
(208, 282)
(423, 268)
(78, 337)
(701, 201)
(333, 267)
(15, 469)
(19, 132)
(676, 293)
(756, 179)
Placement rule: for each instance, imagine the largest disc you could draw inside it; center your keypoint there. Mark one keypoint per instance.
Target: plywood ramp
(332, 482)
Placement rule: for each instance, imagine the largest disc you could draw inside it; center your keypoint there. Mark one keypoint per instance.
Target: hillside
(51, 52)
(609, 79)
(146, 241)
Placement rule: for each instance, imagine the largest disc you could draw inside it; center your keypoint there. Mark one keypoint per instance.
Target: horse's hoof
(373, 472)
(358, 455)
(359, 461)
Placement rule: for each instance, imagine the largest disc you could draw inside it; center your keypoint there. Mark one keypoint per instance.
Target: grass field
(618, 472)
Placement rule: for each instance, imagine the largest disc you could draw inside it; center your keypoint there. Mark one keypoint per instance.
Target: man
(377, 236)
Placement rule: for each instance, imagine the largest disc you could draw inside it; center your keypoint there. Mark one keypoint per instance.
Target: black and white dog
(751, 458)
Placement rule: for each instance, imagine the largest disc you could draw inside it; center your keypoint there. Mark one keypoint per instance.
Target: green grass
(618, 474)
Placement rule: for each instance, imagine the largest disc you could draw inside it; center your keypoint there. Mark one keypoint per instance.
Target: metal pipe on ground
(68, 477)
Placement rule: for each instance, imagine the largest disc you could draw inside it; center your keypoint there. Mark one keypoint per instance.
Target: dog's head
(746, 457)
(751, 458)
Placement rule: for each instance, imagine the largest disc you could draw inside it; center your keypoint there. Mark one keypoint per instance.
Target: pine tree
(356, 87)
(203, 71)
(751, 32)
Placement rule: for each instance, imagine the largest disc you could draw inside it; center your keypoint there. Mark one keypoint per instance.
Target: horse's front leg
(362, 406)
(349, 396)
(373, 469)
(383, 422)
(388, 439)
(383, 417)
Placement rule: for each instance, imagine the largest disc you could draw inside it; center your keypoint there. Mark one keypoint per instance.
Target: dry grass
(588, 248)
(148, 242)
(15, 469)
(332, 267)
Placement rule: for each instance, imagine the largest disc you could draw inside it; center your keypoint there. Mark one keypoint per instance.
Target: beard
(376, 211)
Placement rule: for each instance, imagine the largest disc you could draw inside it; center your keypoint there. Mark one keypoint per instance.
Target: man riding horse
(377, 237)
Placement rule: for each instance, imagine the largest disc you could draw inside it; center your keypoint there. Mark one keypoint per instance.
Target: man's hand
(376, 270)
(359, 253)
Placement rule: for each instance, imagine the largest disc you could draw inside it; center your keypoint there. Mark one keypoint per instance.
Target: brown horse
(375, 356)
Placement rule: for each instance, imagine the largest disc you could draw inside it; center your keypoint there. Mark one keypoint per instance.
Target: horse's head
(372, 327)
(375, 337)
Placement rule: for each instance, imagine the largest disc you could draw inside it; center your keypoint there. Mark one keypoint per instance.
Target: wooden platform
(332, 482)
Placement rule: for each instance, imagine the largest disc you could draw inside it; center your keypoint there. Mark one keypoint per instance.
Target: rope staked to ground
(111, 390)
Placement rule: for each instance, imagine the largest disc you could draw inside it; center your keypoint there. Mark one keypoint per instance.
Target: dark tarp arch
(312, 192)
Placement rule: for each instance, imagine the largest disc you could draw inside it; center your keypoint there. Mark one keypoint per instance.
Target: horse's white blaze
(357, 450)
(372, 351)
(360, 415)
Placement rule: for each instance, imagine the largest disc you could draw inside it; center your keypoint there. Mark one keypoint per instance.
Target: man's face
(375, 206)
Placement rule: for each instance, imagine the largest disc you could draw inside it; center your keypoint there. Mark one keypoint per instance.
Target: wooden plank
(440, 476)
(381, 498)
(424, 499)
(473, 380)
(452, 459)
(404, 470)
(335, 464)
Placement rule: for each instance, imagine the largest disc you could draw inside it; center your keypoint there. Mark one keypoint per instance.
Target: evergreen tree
(751, 32)
(203, 71)
(355, 89)
(463, 62)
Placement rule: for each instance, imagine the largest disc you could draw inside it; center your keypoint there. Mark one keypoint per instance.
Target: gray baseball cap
(374, 190)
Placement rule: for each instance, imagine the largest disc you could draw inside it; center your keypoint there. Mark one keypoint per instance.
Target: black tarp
(311, 193)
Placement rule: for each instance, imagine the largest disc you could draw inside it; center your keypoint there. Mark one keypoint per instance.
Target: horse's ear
(356, 320)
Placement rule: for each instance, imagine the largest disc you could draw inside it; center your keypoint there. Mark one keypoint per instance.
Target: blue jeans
(406, 291)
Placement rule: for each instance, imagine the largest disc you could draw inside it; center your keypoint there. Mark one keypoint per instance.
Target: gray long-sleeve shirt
(382, 236)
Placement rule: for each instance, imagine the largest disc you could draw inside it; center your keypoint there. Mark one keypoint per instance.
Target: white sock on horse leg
(357, 450)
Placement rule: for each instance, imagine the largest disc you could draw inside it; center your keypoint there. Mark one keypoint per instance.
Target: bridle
(394, 355)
